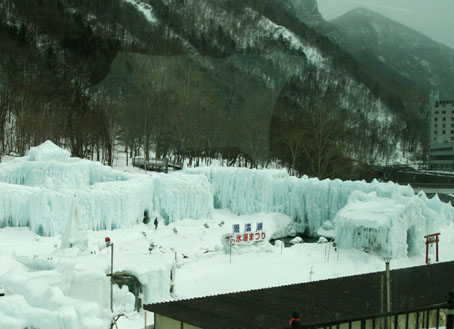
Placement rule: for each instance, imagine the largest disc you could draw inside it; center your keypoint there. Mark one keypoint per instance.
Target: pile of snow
(326, 230)
(41, 299)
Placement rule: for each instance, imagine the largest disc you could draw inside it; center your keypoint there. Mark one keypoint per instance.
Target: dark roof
(324, 301)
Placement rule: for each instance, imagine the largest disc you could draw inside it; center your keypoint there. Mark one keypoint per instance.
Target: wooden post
(230, 246)
(382, 303)
(388, 295)
(139, 301)
(450, 311)
(436, 252)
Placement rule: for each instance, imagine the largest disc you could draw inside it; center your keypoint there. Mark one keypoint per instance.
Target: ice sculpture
(37, 191)
(390, 227)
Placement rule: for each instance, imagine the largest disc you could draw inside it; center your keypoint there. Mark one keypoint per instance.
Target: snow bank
(155, 271)
(38, 299)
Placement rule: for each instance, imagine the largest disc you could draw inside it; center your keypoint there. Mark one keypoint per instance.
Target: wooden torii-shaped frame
(432, 238)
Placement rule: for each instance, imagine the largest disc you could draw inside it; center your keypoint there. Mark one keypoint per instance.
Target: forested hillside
(247, 81)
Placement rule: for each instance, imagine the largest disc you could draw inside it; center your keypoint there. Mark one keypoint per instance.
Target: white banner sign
(247, 236)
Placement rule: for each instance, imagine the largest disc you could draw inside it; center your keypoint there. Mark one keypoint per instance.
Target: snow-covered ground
(52, 288)
(47, 286)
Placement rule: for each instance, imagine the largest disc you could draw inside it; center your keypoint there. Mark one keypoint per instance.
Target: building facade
(441, 134)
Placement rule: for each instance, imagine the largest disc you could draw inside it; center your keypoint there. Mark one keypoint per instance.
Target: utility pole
(450, 311)
(107, 243)
(382, 302)
(388, 295)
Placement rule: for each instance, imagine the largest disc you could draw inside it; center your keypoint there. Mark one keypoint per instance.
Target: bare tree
(322, 132)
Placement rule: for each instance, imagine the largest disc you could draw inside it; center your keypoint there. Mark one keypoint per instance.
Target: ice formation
(390, 227)
(37, 191)
(75, 233)
(309, 201)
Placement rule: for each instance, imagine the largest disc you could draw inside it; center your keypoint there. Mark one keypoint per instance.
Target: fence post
(450, 311)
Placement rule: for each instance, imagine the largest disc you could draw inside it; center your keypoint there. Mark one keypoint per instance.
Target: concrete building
(441, 132)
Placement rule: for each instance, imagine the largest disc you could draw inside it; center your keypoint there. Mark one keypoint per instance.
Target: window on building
(436, 126)
(435, 132)
(443, 132)
(435, 119)
(436, 112)
(444, 112)
(444, 119)
(444, 125)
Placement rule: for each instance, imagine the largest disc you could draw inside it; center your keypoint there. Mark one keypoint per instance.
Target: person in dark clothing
(156, 223)
(146, 219)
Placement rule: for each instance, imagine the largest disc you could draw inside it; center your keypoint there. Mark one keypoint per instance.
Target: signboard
(247, 236)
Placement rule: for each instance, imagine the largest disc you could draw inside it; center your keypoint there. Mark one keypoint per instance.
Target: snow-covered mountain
(401, 50)
(192, 78)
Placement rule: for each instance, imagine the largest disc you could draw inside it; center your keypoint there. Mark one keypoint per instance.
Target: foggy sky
(434, 18)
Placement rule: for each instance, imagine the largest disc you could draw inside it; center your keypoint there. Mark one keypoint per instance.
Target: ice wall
(76, 231)
(49, 166)
(179, 196)
(37, 191)
(308, 200)
(105, 205)
(390, 227)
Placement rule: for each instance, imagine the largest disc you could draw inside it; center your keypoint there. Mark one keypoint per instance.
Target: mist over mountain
(252, 82)
(403, 51)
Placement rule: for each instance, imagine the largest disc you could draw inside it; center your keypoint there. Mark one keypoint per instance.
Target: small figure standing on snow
(146, 220)
(156, 223)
